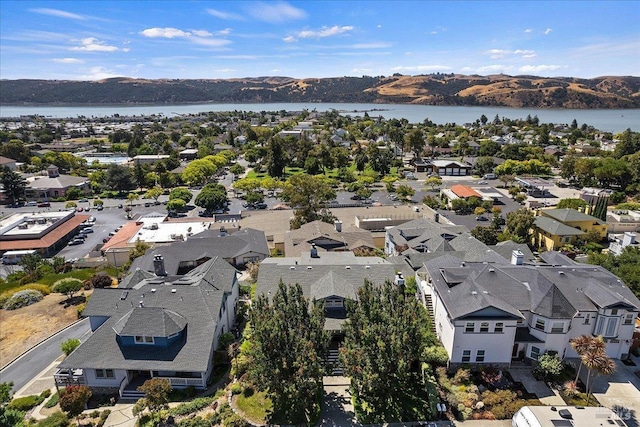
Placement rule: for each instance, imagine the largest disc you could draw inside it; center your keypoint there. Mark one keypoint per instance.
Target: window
(587, 319)
(173, 335)
(466, 356)
(535, 352)
(557, 327)
(140, 339)
(498, 328)
(470, 327)
(628, 319)
(484, 327)
(599, 325)
(540, 324)
(614, 311)
(612, 326)
(480, 356)
(105, 373)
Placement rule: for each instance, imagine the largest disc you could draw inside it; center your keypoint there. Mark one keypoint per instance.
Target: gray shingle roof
(550, 290)
(150, 321)
(556, 227)
(197, 298)
(506, 248)
(569, 215)
(203, 246)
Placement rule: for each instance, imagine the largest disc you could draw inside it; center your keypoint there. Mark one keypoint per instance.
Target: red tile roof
(464, 191)
(122, 237)
(48, 239)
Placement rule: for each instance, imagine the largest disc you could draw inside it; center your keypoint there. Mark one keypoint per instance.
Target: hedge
(22, 299)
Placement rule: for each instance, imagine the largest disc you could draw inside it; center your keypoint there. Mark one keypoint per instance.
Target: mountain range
(431, 89)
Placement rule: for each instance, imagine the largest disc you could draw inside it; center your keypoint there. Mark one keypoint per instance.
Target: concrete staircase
(429, 301)
(333, 360)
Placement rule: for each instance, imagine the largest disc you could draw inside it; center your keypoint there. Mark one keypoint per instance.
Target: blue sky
(91, 40)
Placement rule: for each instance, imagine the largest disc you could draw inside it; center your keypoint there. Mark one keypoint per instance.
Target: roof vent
(367, 267)
(309, 267)
(561, 273)
(347, 267)
(474, 293)
(293, 267)
(153, 290)
(173, 291)
(491, 270)
(123, 295)
(141, 304)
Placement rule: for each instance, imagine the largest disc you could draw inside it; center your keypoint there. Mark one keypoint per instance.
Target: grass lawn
(82, 274)
(254, 405)
(580, 399)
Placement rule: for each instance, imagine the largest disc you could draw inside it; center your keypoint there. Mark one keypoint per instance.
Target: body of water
(606, 120)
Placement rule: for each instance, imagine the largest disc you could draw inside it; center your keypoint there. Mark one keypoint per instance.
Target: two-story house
(580, 222)
(493, 313)
(158, 327)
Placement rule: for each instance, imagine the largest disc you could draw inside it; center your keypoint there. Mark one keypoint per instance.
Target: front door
(514, 353)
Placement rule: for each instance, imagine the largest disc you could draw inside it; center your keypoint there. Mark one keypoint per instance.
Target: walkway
(546, 395)
(337, 409)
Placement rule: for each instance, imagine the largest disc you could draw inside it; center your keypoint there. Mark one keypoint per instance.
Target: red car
(79, 209)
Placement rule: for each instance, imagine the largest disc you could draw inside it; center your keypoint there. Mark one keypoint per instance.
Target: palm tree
(584, 344)
(605, 366)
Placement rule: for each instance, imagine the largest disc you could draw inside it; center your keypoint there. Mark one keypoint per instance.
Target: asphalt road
(30, 364)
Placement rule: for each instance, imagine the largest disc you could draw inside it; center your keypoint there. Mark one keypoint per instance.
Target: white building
(496, 312)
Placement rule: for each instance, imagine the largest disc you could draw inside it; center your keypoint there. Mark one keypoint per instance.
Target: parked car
(79, 209)
(482, 218)
(76, 241)
(99, 207)
(44, 204)
(489, 176)
(147, 204)
(87, 230)
(482, 182)
(84, 200)
(91, 220)
(120, 205)
(32, 203)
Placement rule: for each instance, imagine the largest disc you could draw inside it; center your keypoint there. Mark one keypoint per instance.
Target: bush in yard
(550, 365)
(26, 403)
(101, 280)
(57, 419)
(53, 401)
(74, 399)
(236, 388)
(22, 299)
(69, 345)
(67, 286)
(435, 355)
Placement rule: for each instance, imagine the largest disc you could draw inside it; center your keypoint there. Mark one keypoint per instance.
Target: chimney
(314, 251)
(158, 265)
(400, 280)
(223, 231)
(517, 257)
(629, 238)
(338, 224)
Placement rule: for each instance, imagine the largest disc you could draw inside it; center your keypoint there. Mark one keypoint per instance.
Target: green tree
(276, 157)
(14, 184)
(119, 178)
(212, 197)
(484, 165)
(176, 205)
(404, 192)
(506, 179)
(30, 263)
(69, 345)
(153, 193)
(68, 286)
(289, 345)
(74, 399)
(386, 334)
(571, 204)
(550, 365)
(519, 225)
(487, 235)
(433, 182)
(181, 193)
(309, 196)
(237, 169)
(414, 141)
(156, 392)
(199, 171)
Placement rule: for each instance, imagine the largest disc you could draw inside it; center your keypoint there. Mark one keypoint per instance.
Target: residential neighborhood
(304, 267)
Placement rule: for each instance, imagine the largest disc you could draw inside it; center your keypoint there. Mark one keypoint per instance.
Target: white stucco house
(497, 312)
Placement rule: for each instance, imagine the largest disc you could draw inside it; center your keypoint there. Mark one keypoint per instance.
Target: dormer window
(141, 339)
(628, 319)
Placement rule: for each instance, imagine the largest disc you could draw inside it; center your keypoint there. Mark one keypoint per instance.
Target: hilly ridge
(432, 89)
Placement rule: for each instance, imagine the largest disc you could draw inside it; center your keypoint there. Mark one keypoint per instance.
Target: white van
(14, 257)
(489, 176)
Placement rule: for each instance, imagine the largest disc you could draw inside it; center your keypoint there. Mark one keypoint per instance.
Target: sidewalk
(546, 395)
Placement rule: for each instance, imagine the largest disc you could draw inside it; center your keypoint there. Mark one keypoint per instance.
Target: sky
(181, 39)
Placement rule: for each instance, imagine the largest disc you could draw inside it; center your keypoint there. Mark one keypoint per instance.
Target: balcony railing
(177, 382)
(67, 377)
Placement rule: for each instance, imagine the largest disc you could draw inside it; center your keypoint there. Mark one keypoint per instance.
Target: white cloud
(502, 53)
(275, 70)
(378, 26)
(538, 68)
(224, 32)
(68, 61)
(224, 15)
(547, 31)
(201, 33)
(166, 33)
(224, 70)
(325, 32)
(496, 68)
(202, 41)
(277, 12)
(422, 68)
(528, 30)
(408, 54)
(99, 73)
(361, 70)
(92, 44)
(58, 13)
(290, 39)
(466, 69)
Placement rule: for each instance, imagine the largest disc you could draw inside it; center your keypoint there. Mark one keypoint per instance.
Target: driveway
(620, 392)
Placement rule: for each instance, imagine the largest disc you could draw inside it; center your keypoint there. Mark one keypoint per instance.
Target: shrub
(103, 417)
(45, 393)
(224, 341)
(101, 280)
(436, 355)
(236, 388)
(57, 419)
(550, 366)
(23, 299)
(193, 406)
(69, 345)
(43, 289)
(53, 401)
(461, 376)
(67, 286)
(26, 403)
(80, 309)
